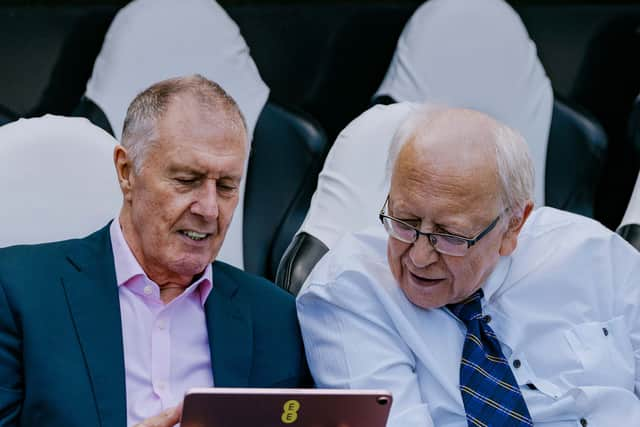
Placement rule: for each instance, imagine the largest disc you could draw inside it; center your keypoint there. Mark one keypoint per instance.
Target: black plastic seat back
(89, 110)
(306, 250)
(575, 160)
(287, 153)
(47, 54)
(297, 262)
(606, 84)
(6, 115)
(634, 128)
(631, 231)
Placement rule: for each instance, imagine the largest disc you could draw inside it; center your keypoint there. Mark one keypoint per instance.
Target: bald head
(464, 149)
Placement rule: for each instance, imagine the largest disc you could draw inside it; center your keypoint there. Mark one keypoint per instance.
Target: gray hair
(513, 160)
(515, 168)
(149, 106)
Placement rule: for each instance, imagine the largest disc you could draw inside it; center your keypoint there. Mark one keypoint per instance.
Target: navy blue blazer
(61, 355)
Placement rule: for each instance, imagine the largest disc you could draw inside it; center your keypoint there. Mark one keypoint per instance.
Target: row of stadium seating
(327, 60)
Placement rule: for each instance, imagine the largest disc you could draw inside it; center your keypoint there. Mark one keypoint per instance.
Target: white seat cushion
(476, 54)
(57, 179)
(353, 183)
(632, 214)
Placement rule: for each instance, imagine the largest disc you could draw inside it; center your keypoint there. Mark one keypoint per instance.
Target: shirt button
(605, 331)
(583, 422)
(161, 324)
(517, 363)
(147, 290)
(161, 386)
(487, 318)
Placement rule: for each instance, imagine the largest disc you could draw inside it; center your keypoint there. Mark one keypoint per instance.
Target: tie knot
(469, 309)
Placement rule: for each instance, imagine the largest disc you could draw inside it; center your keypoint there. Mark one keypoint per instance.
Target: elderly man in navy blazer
(112, 329)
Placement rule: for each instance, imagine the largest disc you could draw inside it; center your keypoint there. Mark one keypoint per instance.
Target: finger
(167, 418)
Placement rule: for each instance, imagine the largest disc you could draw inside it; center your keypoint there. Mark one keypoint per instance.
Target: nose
(206, 201)
(422, 253)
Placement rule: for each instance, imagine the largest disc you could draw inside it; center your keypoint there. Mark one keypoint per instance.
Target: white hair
(515, 168)
(419, 117)
(513, 160)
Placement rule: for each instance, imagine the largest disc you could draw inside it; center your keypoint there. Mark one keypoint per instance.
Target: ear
(510, 237)
(124, 170)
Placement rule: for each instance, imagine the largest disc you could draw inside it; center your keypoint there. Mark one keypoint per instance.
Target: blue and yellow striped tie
(489, 390)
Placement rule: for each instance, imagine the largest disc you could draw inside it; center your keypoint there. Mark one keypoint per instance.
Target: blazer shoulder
(14, 256)
(21, 259)
(250, 286)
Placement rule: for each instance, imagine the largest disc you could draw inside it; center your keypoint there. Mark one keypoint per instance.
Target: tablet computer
(256, 407)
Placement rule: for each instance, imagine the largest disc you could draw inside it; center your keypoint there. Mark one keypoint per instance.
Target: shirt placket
(161, 356)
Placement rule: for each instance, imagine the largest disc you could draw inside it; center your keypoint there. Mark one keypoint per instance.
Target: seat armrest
(298, 260)
(631, 233)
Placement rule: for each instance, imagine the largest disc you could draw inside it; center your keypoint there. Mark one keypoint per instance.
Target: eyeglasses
(444, 243)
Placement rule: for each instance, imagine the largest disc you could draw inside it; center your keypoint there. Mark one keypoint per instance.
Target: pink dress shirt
(166, 347)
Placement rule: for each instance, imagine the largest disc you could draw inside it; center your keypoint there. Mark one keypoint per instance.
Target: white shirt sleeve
(629, 297)
(351, 343)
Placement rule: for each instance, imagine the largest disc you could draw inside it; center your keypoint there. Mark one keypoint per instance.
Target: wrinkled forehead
(188, 115)
(457, 139)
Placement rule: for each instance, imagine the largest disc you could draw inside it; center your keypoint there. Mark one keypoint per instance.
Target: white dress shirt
(564, 307)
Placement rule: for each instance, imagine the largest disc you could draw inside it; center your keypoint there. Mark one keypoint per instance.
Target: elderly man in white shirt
(470, 307)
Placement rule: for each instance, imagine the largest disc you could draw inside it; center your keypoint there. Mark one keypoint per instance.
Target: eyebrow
(180, 168)
(196, 172)
(437, 227)
(445, 230)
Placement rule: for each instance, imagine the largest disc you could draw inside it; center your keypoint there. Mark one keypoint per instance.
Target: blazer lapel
(230, 332)
(92, 296)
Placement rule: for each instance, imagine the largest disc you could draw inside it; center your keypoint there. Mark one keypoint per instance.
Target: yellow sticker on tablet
(290, 411)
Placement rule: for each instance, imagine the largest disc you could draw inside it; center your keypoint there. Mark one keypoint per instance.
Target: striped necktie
(490, 393)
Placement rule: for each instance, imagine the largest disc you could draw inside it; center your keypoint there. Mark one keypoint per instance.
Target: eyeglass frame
(469, 241)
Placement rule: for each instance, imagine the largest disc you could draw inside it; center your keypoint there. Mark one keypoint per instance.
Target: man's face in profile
(183, 198)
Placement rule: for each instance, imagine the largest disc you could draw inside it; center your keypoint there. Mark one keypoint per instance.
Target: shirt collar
(497, 278)
(127, 266)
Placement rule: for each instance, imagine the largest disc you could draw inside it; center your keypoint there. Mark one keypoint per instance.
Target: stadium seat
(491, 65)
(287, 155)
(138, 51)
(633, 129)
(89, 110)
(6, 115)
(57, 180)
(352, 187)
(488, 63)
(606, 85)
(575, 159)
(629, 228)
(47, 54)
